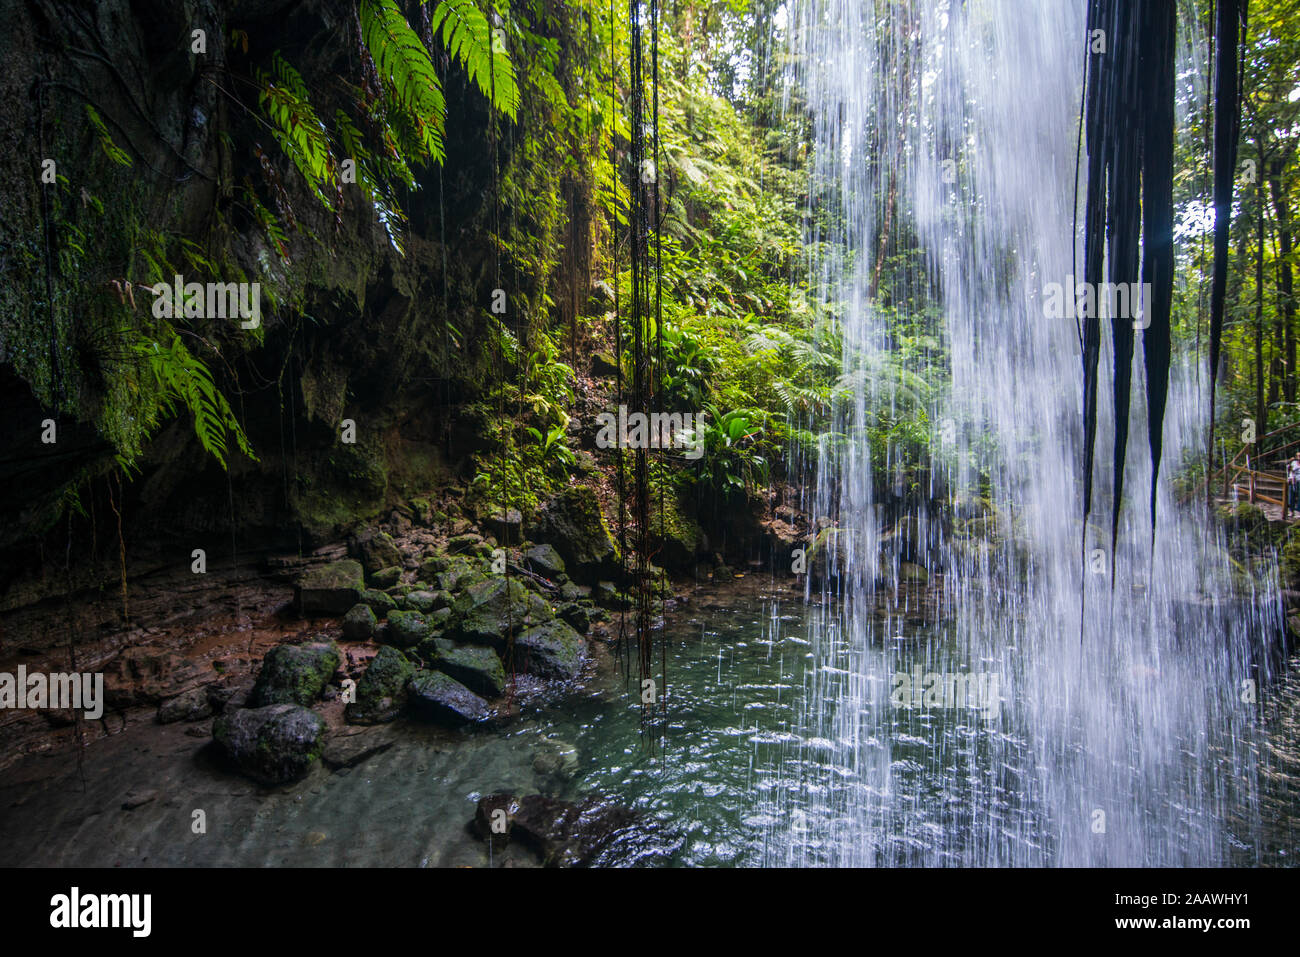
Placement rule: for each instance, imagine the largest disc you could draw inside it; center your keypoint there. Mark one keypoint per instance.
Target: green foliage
(468, 38)
(404, 65)
(186, 381)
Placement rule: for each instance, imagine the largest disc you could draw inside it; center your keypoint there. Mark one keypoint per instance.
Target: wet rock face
(273, 745)
(439, 697)
(566, 834)
(295, 674)
(573, 523)
(552, 650)
(330, 589)
(381, 692)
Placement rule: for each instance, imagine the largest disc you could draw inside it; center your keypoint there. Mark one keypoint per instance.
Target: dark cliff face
(355, 331)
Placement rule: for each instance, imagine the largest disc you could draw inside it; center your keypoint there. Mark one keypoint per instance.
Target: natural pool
(743, 778)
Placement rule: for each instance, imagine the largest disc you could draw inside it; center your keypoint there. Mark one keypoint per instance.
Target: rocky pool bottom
(734, 782)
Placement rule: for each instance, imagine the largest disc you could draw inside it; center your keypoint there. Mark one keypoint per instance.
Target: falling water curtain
(1128, 218)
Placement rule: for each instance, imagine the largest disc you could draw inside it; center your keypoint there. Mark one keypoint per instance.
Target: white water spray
(1125, 734)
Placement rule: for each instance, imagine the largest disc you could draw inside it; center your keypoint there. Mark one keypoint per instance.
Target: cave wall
(357, 332)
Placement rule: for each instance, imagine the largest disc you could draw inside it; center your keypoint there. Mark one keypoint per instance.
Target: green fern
(184, 379)
(469, 39)
(296, 126)
(404, 63)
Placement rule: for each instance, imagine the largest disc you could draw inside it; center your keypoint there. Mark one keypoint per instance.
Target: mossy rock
(295, 674)
(377, 550)
(274, 745)
(1289, 562)
(552, 650)
(431, 567)
(386, 577)
(459, 575)
(329, 589)
(381, 603)
(544, 560)
(478, 669)
(487, 610)
(427, 601)
(359, 623)
(608, 595)
(406, 629)
(574, 524)
(436, 696)
(381, 692)
(675, 537)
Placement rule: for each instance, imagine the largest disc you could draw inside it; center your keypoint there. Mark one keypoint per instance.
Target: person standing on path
(1292, 486)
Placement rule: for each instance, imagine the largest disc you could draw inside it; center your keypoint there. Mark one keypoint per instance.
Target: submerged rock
(381, 692)
(551, 650)
(439, 697)
(330, 589)
(477, 668)
(567, 834)
(295, 674)
(276, 744)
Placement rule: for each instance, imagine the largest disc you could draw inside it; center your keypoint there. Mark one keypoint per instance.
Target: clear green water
(736, 782)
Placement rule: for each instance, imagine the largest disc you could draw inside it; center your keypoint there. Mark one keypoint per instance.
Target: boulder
(193, 705)
(381, 692)
(359, 623)
(427, 601)
(576, 615)
(276, 744)
(386, 578)
(380, 602)
(551, 650)
(406, 629)
(488, 610)
(459, 575)
(439, 697)
(377, 550)
(295, 674)
(574, 524)
(564, 834)
(329, 589)
(479, 669)
(544, 560)
(507, 526)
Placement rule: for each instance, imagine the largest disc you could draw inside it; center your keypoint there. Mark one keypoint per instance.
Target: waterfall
(1123, 731)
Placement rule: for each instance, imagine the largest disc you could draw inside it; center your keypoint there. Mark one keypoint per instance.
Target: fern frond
(468, 38)
(296, 126)
(404, 63)
(184, 378)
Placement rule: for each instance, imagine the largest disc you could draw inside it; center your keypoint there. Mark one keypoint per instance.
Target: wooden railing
(1254, 468)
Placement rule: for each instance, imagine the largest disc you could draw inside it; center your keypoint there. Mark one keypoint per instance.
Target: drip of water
(1118, 734)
